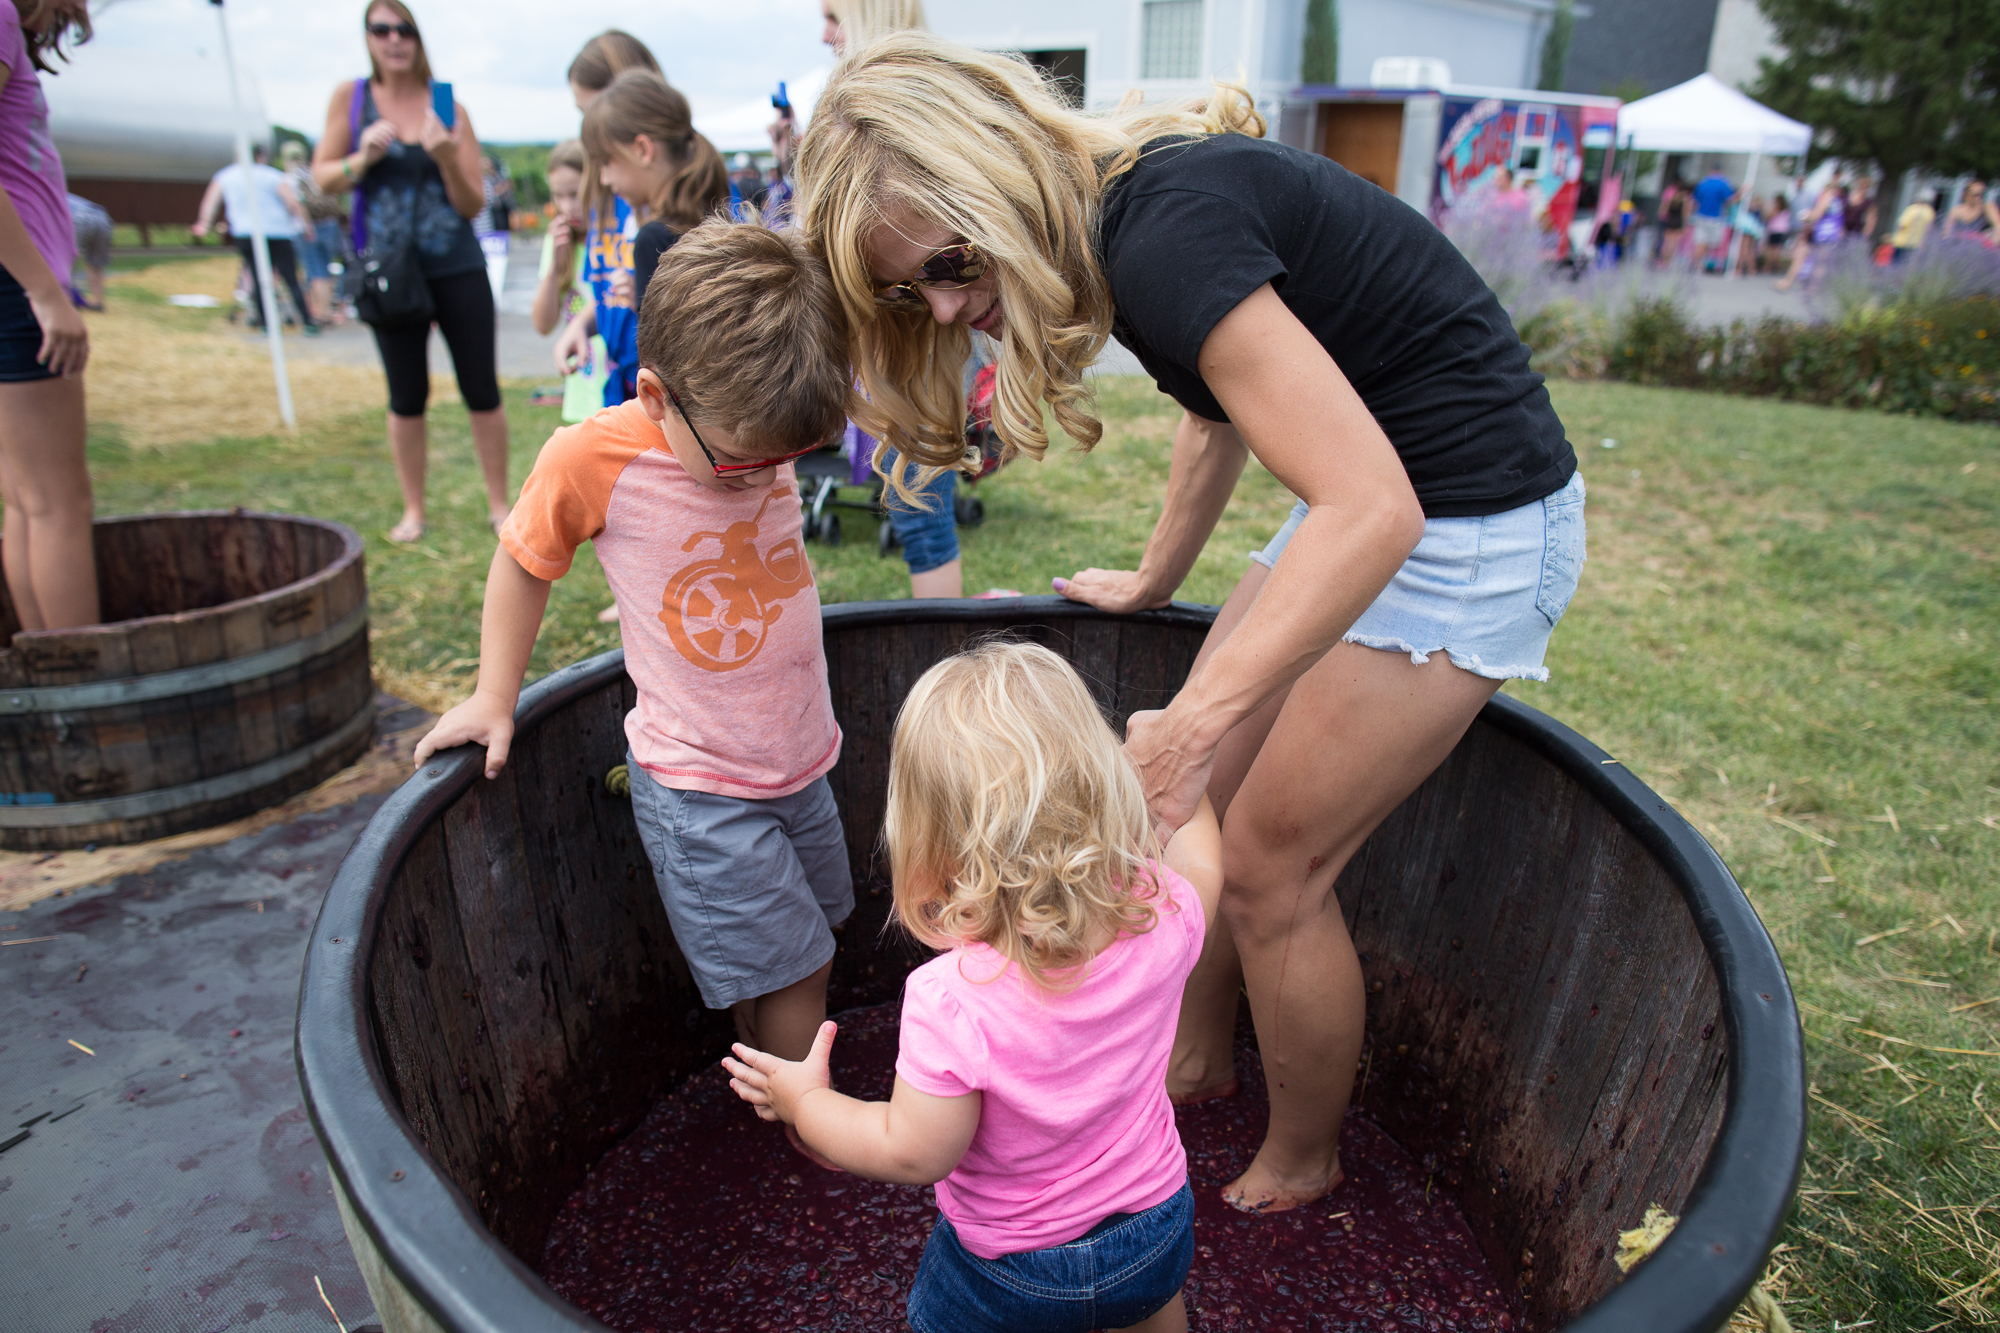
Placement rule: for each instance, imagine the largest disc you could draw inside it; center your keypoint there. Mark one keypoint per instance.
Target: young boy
(688, 495)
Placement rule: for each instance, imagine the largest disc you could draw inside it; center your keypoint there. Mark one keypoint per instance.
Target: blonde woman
(1299, 314)
(417, 183)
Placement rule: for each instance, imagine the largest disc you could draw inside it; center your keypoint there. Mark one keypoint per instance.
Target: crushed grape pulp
(704, 1217)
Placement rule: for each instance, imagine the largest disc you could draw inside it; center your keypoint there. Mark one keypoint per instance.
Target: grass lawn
(1790, 626)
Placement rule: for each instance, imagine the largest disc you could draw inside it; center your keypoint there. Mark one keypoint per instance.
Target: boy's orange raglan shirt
(715, 598)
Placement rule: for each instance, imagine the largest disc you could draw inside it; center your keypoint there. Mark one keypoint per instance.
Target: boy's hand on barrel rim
(483, 719)
(776, 1087)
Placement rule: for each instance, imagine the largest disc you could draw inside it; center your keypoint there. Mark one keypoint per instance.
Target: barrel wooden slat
(428, 1011)
(209, 592)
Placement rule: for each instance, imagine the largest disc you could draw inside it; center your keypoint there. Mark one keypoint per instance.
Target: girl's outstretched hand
(775, 1087)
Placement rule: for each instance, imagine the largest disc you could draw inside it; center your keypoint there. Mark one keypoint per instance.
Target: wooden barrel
(231, 672)
(1573, 1009)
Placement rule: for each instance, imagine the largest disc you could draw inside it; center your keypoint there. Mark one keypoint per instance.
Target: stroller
(850, 465)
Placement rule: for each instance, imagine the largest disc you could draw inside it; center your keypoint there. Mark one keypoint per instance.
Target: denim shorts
(752, 889)
(1487, 591)
(20, 335)
(1123, 1270)
(929, 536)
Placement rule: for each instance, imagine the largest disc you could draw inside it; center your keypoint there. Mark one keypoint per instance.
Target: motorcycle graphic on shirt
(719, 611)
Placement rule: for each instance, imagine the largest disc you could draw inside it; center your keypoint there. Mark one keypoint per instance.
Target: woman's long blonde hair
(1014, 819)
(640, 102)
(981, 145)
(863, 21)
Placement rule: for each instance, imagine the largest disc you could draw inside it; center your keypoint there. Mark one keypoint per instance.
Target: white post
(260, 247)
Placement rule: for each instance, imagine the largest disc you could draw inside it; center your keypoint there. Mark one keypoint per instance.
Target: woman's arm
(911, 1139)
(456, 151)
(1263, 367)
(211, 203)
(1208, 458)
(65, 345)
(336, 146)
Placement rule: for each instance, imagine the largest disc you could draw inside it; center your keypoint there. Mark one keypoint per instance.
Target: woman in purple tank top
(51, 571)
(1820, 229)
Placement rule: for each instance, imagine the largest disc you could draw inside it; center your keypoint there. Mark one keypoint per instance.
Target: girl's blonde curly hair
(1014, 819)
(982, 145)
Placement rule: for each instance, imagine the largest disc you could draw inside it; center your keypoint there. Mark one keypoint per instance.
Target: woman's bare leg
(51, 565)
(1203, 1063)
(409, 442)
(1359, 732)
(1800, 249)
(489, 442)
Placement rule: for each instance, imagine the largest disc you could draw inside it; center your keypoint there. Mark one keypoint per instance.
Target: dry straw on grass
(166, 376)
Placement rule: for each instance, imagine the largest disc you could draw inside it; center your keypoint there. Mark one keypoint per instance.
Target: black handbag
(394, 291)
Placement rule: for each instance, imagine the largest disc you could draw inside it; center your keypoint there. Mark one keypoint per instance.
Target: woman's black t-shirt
(1198, 225)
(654, 239)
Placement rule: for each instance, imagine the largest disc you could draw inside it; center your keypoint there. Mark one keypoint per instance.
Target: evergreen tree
(1896, 83)
(1555, 46)
(1321, 63)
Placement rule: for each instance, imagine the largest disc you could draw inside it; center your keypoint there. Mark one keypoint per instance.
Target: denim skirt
(1486, 591)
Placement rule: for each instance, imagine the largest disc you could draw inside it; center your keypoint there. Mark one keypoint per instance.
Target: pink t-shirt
(29, 168)
(1074, 1124)
(716, 604)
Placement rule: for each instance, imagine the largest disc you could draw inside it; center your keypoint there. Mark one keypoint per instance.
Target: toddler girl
(1031, 1076)
(560, 294)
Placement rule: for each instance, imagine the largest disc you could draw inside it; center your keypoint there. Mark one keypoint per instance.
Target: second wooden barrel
(231, 672)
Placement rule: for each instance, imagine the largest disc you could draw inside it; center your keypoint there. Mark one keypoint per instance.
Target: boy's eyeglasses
(957, 265)
(733, 469)
(407, 31)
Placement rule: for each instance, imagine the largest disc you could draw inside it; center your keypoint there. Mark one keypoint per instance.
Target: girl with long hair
(613, 316)
(44, 346)
(1031, 1070)
(419, 184)
(641, 141)
(1297, 313)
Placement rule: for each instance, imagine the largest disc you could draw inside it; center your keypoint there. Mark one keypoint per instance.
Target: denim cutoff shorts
(929, 536)
(752, 888)
(1487, 591)
(20, 335)
(1123, 1270)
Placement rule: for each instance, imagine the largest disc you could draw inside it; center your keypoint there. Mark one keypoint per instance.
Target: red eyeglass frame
(734, 469)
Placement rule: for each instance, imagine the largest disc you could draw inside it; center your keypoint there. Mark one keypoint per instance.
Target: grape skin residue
(704, 1217)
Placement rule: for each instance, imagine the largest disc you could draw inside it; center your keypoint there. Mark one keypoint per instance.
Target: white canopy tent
(1706, 115)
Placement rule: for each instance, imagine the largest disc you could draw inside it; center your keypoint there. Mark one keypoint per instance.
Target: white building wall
(1496, 45)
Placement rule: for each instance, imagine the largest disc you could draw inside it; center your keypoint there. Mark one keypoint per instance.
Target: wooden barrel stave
(272, 670)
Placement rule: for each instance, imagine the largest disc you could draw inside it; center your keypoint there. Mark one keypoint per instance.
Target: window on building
(1170, 39)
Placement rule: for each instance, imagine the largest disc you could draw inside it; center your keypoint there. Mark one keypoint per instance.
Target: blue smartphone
(441, 103)
(782, 103)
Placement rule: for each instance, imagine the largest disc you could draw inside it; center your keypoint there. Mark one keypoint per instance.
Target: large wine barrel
(231, 672)
(1590, 1016)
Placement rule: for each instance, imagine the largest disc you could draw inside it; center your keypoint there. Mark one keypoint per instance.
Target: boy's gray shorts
(753, 889)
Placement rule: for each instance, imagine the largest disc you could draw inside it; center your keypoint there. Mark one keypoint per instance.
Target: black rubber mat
(168, 1179)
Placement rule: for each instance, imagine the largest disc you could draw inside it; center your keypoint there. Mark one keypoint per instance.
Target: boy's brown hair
(741, 323)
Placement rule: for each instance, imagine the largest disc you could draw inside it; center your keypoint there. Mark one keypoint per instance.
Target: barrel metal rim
(350, 554)
(429, 1234)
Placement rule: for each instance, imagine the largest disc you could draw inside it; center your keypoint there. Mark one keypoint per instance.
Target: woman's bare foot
(411, 529)
(498, 517)
(1263, 1190)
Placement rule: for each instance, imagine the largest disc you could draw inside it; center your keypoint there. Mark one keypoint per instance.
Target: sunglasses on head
(733, 469)
(956, 265)
(407, 31)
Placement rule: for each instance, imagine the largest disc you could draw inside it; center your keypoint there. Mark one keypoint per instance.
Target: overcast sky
(505, 58)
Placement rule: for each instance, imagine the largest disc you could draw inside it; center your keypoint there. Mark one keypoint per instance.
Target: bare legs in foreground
(1300, 784)
(51, 567)
(408, 441)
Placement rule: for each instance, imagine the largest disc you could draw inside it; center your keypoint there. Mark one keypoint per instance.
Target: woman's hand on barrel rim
(1173, 767)
(1119, 591)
